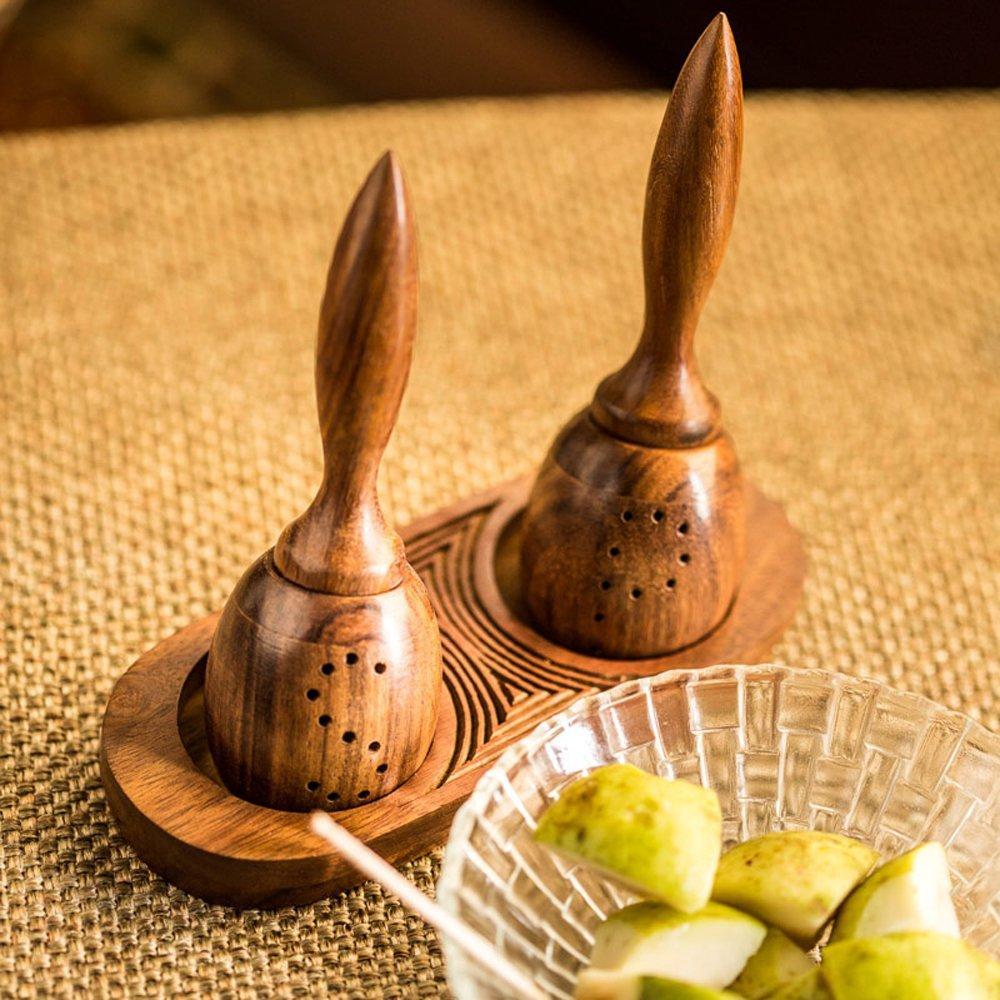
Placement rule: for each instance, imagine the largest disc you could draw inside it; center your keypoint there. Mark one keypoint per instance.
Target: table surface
(159, 293)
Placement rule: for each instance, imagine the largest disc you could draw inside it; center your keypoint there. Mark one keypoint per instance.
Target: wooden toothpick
(379, 870)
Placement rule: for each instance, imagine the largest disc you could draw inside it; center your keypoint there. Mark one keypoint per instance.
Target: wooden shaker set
(322, 680)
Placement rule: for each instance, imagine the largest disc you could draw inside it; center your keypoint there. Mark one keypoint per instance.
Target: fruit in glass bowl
(783, 748)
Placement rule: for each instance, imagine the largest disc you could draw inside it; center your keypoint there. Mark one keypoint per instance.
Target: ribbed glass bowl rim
(449, 882)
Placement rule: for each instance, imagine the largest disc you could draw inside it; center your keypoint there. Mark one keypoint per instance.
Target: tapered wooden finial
(341, 543)
(657, 398)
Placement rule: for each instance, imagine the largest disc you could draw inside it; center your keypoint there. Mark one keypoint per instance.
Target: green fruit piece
(794, 879)
(599, 984)
(777, 962)
(807, 987)
(909, 893)
(917, 966)
(990, 970)
(659, 837)
(657, 988)
(707, 948)
(595, 984)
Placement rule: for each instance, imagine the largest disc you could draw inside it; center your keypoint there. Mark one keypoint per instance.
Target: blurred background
(79, 62)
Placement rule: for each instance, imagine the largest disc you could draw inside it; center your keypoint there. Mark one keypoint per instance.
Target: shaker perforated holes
(327, 669)
(312, 694)
(380, 668)
(351, 659)
(685, 558)
(325, 720)
(382, 768)
(312, 785)
(349, 737)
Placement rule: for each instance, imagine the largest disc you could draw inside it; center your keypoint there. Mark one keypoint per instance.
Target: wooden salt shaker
(634, 535)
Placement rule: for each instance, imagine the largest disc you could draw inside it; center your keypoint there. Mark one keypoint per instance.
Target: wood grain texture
(632, 551)
(501, 678)
(634, 536)
(322, 683)
(341, 544)
(657, 398)
(319, 700)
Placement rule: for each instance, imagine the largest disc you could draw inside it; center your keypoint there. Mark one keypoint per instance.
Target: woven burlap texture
(159, 292)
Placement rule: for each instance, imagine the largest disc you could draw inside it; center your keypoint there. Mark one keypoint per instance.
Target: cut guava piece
(794, 879)
(776, 963)
(916, 965)
(707, 948)
(659, 837)
(596, 984)
(909, 893)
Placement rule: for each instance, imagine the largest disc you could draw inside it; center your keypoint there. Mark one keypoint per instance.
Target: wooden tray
(501, 679)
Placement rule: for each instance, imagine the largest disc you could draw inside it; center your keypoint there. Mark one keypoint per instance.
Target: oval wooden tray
(501, 679)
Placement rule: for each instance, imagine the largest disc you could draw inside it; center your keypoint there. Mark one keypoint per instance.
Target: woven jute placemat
(159, 293)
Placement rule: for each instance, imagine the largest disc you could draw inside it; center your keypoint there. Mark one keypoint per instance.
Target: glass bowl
(784, 749)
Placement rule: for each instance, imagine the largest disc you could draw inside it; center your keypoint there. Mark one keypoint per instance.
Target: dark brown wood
(658, 398)
(632, 551)
(634, 537)
(321, 687)
(501, 679)
(341, 543)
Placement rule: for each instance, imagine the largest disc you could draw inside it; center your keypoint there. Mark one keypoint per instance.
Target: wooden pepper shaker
(324, 673)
